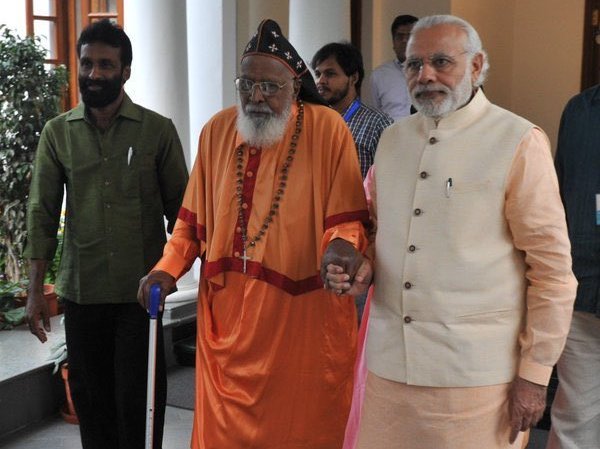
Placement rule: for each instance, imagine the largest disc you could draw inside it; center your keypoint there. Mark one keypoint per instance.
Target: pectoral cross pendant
(245, 257)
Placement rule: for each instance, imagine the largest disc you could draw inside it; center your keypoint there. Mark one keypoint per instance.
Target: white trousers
(576, 407)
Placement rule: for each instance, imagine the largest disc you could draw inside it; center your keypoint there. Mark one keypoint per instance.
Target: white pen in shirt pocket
(129, 156)
(448, 187)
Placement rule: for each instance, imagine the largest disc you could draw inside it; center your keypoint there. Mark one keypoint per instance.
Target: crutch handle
(154, 301)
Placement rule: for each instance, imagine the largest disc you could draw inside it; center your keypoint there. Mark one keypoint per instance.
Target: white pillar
(314, 23)
(211, 61)
(159, 81)
(159, 78)
(211, 65)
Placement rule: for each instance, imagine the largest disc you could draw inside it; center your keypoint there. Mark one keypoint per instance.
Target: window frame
(67, 26)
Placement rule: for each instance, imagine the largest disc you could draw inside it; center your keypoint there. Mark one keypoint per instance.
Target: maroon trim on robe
(256, 270)
(346, 217)
(247, 196)
(191, 219)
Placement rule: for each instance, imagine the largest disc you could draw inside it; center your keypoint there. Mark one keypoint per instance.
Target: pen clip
(448, 187)
(129, 156)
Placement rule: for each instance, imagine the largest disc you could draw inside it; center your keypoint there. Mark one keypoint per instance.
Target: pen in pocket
(448, 187)
(129, 156)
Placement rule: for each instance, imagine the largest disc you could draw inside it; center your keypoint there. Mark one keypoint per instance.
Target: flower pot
(67, 411)
(51, 299)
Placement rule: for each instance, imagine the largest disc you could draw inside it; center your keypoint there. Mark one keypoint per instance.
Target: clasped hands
(344, 270)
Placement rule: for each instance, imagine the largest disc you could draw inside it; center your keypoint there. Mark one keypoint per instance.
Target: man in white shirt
(388, 84)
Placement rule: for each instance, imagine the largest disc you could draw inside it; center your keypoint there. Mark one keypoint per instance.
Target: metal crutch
(152, 336)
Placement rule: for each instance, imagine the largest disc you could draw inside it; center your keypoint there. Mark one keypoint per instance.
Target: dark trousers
(360, 301)
(107, 346)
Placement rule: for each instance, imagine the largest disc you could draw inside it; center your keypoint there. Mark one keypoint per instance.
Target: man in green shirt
(124, 171)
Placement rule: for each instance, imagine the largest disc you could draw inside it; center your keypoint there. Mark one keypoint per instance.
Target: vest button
(407, 285)
(412, 248)
(423, 175)
(417, 211)
(407, 319)
(433, 140)
(236, 254)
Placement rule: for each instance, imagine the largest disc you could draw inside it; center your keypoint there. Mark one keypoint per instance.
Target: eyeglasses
(439, 62)
(267, 88)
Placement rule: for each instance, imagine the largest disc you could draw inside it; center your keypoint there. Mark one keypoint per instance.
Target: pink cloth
(360, 379)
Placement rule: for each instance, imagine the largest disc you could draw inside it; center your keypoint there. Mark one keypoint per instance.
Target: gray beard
(454, 99)
(262, 131)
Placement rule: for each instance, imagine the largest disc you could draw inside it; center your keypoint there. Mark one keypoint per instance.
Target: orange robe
(274, 365)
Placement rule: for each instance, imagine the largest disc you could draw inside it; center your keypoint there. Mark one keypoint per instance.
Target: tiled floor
(57, 434)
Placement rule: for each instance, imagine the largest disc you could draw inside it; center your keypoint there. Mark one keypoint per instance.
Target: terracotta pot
(67, 411)
(51, 298)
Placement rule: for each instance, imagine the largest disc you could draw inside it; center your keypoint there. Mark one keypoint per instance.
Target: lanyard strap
(351, 110)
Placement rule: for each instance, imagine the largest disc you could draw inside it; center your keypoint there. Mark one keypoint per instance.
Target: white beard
(262, 131)
(455, 98)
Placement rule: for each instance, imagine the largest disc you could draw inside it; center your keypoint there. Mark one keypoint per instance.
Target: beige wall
(534, 46)
(494, 22)
(547, 59)
(378, 16)
(535, 50)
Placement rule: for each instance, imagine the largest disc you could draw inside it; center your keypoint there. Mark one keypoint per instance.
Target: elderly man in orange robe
(275, 194)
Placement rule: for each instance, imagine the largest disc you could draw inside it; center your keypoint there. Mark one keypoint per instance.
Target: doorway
(590, 73)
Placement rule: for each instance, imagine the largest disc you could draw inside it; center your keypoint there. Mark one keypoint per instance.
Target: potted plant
(12, 312)
(59, 357)
(30, 95)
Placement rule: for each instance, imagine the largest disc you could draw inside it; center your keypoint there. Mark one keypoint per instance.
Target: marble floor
(57, 434)
(54, 433)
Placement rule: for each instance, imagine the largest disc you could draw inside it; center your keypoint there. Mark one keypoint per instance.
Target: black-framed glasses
(267, 88)
(439, 62)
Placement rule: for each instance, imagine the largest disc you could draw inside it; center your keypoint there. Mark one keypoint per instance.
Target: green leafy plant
(12, 311)
(30, 94)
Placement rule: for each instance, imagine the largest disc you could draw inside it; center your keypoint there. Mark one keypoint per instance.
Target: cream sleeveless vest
(450, 285)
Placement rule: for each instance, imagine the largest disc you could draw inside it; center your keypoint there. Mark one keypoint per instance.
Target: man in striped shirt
(339, 74)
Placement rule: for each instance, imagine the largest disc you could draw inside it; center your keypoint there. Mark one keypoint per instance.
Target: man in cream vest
(474, 291)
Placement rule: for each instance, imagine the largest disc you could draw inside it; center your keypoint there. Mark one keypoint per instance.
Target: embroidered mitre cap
(270, 41)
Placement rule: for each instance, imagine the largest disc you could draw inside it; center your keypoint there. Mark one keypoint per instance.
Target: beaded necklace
(283, 177)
